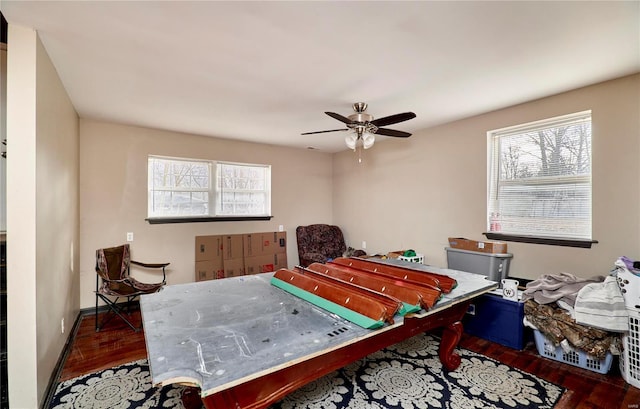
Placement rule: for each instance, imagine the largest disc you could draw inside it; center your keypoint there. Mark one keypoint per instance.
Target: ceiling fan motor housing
(361, 120)
(361, 117)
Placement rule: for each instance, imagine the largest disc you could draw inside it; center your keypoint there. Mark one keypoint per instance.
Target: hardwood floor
(117, 344)
(114, 345)
(585, 389)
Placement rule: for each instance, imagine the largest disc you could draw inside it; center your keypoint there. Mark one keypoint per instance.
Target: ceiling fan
(365, 127)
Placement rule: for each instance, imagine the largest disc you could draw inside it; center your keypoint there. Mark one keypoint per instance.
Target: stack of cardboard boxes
(239, 254)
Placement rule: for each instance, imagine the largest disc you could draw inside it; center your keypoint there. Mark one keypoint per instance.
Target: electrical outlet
(130, 236)
(281, 228)
(471, 310)
(364, 244)
(62, 326)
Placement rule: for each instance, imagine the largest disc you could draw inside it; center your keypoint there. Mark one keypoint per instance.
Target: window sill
(167, 220)
(551, 241)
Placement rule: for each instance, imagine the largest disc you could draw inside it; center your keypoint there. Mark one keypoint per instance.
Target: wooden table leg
(451, 335)
(191, 398)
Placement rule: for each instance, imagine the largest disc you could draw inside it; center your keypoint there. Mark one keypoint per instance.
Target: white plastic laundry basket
(630, 358)
(571, 356)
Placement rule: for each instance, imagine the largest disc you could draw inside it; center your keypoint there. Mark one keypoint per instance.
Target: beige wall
(415, 193)
(113, 196)
(42, 213)
(57, 216)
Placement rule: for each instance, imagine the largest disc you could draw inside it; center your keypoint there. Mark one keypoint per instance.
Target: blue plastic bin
(498, 320)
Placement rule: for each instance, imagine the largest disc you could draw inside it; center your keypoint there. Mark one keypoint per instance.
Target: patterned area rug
(122, 387)
(408, 375)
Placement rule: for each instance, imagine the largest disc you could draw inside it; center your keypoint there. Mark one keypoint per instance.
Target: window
(540, 179)
(189, 188)
(243, 189)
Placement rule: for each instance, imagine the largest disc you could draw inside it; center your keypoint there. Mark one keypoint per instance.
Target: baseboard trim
(57, 370)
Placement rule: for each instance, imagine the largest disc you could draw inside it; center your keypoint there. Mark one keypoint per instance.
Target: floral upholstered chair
(319, 243)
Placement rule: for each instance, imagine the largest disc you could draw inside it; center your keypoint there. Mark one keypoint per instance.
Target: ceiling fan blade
(330, 130)
(393, 119)
(339, 117)
(392, 132)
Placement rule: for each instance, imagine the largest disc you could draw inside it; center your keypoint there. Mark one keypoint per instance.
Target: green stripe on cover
(409, 308)
(349, 315)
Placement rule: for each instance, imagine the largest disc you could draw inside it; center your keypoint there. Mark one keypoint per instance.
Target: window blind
(539, 178)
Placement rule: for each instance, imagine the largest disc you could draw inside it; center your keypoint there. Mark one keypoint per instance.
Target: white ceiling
(266, 71)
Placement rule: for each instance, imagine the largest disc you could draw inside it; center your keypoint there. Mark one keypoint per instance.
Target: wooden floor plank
(93, 351)
(117, 344)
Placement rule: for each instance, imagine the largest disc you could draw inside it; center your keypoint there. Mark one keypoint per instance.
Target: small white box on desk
(418, 258)
(510, 289)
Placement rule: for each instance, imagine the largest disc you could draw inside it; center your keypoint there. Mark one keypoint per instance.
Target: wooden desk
(246, 344)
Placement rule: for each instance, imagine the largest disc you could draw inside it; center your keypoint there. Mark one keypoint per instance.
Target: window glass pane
(178, 187)
(243, 189)
(540, 178)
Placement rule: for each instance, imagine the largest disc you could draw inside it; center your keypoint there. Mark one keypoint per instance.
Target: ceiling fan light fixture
(368, 139)
(351, 140)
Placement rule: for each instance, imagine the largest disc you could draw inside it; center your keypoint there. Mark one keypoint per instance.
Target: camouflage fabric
(556, 324)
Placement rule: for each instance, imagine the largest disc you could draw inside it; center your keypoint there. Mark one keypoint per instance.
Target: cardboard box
(208, 248)
(495, 247)
(233, 267)
(280, 261)
(265, 264)
(252, 244)
(274, 242)
(232, 246)
(259, 264)
(208, 269)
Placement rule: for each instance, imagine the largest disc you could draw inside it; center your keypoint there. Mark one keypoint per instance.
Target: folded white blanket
(550, 288)
(601, 305)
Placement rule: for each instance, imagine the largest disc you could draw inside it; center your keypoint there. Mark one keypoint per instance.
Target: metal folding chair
(113, 279)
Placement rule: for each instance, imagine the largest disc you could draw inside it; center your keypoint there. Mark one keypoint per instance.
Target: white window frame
(518, 207)
(212, 209)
